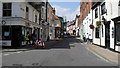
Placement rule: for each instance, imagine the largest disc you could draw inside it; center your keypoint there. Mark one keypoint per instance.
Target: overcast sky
(68, 9)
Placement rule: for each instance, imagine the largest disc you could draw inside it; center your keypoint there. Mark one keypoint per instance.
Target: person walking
(87, 38)
(84, 38)
(90, 39)
(27, 38)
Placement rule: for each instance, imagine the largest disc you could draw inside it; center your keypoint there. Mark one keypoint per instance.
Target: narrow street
(66, 52)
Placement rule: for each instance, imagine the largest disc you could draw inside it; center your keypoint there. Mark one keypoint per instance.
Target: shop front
(57, 32)
(117, 33)
(14, 35)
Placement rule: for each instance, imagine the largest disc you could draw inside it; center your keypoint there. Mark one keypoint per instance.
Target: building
(18, 18)
(104, 17)
(85, 18)
(71, 27)
(77, 25)
(50, 14)
(106, 35)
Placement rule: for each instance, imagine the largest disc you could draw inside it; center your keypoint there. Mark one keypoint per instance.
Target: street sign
(3, 22)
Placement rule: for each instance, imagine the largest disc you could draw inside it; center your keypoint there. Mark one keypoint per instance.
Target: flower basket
(91, 26)
(98, 23)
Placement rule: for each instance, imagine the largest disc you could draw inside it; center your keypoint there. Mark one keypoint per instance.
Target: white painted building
(85, 26)
(106, 35)
(76, 25)
(18, 18)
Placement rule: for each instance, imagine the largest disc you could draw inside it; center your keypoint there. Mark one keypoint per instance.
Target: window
(27, 12)
(6, 32)
(7, 9)
(97, 33)
(96, 13)
(27, 9)
(118, 34)
(103, 10)
(42, 13)
(35, 18)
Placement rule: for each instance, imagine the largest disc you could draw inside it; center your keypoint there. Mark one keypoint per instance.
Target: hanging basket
(91, 26)
(98, 23)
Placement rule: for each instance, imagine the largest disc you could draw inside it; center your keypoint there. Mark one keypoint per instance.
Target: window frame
(96, 13)
(7, 12)
(97, 32)
(103, 9)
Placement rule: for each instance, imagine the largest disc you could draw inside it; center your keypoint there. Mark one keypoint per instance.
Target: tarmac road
(66, 52)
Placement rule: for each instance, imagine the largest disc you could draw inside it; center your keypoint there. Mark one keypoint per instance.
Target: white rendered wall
(95, 40)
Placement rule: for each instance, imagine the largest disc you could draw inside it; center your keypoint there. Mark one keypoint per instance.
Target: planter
(98, 23)
(91, 26)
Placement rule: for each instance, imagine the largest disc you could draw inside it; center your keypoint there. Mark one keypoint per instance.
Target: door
(107, 35)
(16, 36)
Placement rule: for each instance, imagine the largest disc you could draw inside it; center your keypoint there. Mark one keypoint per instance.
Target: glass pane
(9, 6)
(4, 5)
(8, 12)
(6, 32)
(118, 34)
(4, 13)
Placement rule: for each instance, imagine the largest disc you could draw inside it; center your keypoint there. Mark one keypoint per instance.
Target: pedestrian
(90, 38)
(27, 38)
(84, 37)
(87, 38)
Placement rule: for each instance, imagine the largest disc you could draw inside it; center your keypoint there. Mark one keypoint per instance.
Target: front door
(16, 36)
(107, 35)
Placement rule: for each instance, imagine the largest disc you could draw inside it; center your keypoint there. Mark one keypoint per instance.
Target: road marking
(18, 52)
(6, 54)
(98, 55)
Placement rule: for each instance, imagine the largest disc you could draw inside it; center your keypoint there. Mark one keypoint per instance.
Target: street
(66, 52)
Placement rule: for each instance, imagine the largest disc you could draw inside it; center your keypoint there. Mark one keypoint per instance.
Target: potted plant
(91, 26)
(98, 23)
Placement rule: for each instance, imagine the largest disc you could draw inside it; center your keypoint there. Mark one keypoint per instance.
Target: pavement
(105, 53)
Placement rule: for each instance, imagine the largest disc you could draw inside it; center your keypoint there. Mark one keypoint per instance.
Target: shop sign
(112, 32)
(3, 22)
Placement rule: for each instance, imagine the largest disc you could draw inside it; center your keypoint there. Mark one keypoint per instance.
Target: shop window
(7, 9)
(6, 32)
(97, 33)
(118, 34)
(96, 13)
(103, 9)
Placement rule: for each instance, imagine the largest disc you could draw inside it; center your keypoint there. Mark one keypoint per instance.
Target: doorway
(16, 36)
(107, 35)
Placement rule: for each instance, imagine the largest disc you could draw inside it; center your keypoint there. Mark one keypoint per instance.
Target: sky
(68, 9)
